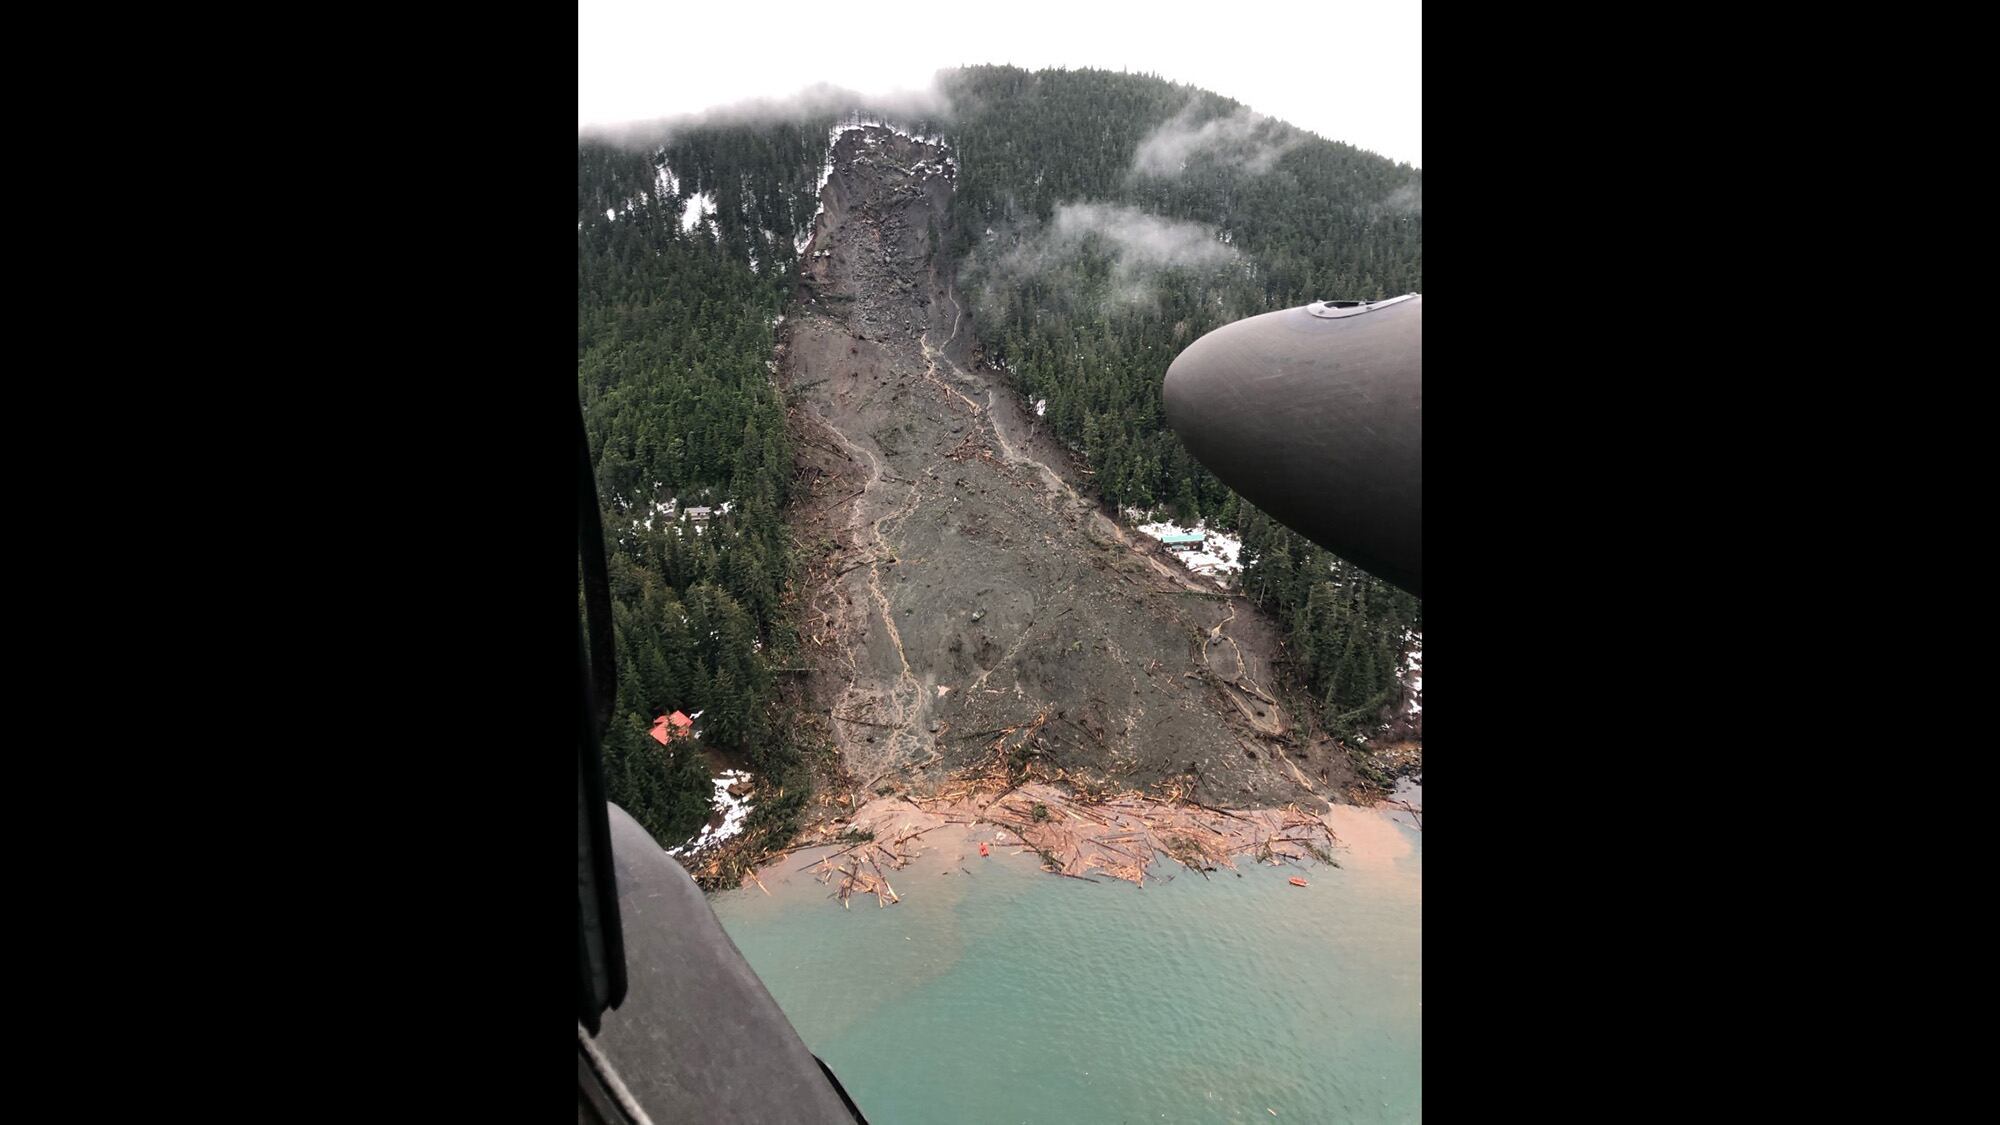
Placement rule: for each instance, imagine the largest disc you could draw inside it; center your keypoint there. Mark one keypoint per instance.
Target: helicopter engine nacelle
(1315, 415)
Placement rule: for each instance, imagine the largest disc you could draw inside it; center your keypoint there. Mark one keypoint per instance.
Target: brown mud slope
(956, 584)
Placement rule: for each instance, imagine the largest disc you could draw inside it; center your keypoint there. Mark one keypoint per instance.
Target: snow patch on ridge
(697, 209)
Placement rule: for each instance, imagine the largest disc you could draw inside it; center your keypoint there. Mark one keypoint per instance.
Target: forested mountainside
(1108, 220)
(1102, 222)
(674, 341)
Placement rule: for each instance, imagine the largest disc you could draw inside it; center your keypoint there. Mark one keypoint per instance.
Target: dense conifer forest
(674, 341)
(1108, 220)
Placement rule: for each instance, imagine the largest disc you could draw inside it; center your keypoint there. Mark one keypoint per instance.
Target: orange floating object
(982, 848)
(1298, 882)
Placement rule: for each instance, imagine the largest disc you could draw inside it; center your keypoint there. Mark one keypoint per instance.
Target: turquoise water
(1010, 995)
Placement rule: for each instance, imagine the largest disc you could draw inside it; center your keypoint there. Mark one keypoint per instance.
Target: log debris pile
(1077, 836)
(1121, 835)
(859, 867)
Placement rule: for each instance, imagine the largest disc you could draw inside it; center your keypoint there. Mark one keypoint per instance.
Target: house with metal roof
(666, 728)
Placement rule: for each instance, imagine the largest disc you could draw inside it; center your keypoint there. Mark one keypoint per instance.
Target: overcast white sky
(1347, 70)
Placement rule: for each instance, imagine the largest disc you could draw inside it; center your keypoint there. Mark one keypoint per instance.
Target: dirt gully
(956, 584)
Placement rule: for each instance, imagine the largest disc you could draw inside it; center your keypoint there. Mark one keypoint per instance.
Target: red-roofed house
(666, 728)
